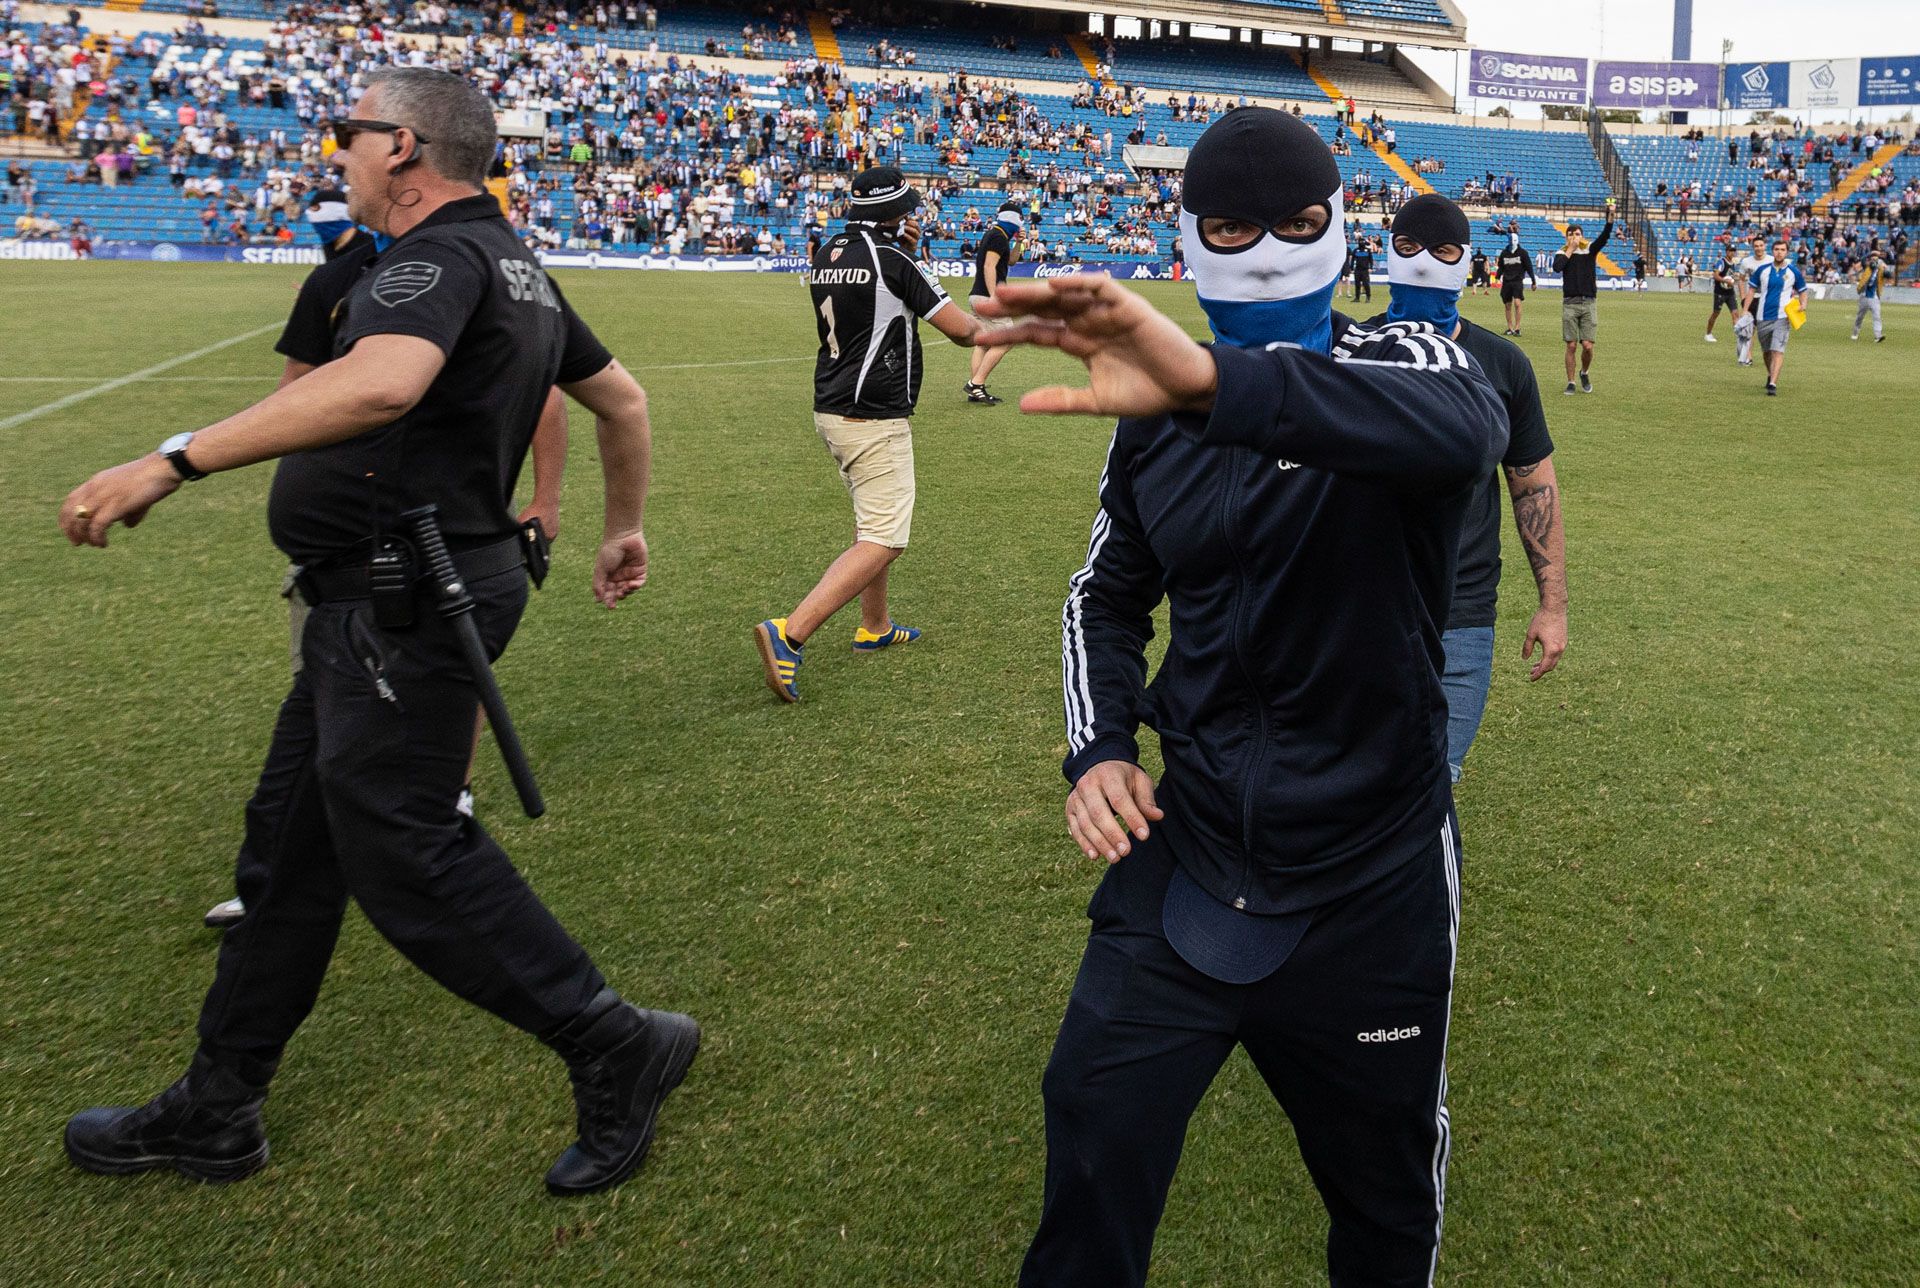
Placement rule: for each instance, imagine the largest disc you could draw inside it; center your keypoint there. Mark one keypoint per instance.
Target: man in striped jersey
(868, 292)
(1296, 492)
(1775, 286)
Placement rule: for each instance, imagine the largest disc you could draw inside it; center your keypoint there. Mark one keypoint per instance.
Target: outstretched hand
(1139, 361)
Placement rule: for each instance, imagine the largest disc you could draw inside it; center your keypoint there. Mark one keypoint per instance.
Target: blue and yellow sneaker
(866, 641)
(780, 656)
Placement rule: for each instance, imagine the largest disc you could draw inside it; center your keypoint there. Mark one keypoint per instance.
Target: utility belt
(387, 572)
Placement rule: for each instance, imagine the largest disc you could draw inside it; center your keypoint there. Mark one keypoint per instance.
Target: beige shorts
(1579, 320)
(876, 463)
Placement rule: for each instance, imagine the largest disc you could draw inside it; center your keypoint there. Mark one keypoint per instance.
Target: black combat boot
(206, 1126)
(623, 1061)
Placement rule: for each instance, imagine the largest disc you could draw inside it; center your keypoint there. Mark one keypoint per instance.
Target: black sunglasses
(343, 131)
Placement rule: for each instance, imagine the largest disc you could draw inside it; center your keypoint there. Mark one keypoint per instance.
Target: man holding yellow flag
(1781, 290)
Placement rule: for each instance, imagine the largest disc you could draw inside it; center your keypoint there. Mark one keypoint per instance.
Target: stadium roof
(1336, 19)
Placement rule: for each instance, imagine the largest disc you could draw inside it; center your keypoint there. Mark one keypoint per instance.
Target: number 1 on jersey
(833, 341)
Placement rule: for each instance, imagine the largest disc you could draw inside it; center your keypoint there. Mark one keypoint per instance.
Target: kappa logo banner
(404, 282)
(1527, 78)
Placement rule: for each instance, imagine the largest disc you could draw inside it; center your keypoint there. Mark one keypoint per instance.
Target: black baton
(456, 605)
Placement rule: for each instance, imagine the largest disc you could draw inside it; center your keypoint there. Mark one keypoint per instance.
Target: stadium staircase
(826, 45)
(1332, 10)
(125, 6)
(1084, 52)
(1883, 156)
(1392, 159)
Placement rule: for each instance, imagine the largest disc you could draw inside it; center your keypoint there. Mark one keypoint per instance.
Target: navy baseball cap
(1222, 942)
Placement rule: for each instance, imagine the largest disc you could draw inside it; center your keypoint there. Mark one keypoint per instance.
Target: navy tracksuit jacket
(1308, 563)
(1308, 559)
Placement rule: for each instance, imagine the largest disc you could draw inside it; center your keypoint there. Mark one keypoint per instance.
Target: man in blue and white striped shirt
(1774, 286)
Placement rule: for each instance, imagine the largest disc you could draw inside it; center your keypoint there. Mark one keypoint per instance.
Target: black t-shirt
(1513, 265)
(996, 240)
(308, 336)
(867, 297)
(462, 280)
(1476, 583)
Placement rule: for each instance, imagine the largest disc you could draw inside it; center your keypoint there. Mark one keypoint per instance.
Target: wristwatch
(175, 450)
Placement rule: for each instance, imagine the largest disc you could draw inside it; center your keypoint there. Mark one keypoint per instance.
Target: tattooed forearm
(1536, 512)
(1525, 471)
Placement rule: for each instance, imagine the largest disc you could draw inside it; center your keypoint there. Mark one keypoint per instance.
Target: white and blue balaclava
(1262, 167)
(1426, 289)
(1009, 218)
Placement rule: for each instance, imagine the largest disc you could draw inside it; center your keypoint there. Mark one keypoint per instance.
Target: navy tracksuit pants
(1350, 1034)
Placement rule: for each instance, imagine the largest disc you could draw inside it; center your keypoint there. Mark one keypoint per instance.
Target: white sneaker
(222, 915)
(1854, 336)
(1712, 339)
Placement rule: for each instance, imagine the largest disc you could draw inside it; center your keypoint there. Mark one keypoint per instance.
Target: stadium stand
(746, 161)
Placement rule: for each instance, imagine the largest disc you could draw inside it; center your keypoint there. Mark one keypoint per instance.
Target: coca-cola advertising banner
(1644, 85)
(1527, 78)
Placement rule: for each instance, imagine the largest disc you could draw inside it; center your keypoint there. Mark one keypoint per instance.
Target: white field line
(108, 386)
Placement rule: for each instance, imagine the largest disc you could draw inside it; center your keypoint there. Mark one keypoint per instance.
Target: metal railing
(1631, 211)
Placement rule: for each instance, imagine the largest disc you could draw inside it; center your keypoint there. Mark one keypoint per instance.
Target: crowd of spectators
(705, 160)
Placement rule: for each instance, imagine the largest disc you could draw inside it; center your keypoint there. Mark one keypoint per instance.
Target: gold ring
(82, 512)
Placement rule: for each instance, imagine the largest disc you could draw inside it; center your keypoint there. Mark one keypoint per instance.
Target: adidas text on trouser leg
(1350, 1035)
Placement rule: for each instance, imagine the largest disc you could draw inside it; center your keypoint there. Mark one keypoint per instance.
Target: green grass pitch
(1686, 1046)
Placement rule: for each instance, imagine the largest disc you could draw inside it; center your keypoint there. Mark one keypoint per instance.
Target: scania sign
(1528, 78)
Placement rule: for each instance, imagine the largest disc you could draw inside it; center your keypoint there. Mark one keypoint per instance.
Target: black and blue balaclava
(1263, 167)
(1425, 288)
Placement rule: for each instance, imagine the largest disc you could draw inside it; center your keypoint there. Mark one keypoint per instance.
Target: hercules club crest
(403, 282)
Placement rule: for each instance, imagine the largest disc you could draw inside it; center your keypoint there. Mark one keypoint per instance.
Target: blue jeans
(1466, 680)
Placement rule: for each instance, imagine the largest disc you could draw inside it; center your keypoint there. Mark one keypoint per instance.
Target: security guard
(443, 357)
(306, 343)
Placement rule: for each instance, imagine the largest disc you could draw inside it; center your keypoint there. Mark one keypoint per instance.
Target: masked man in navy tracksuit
(1296, 493)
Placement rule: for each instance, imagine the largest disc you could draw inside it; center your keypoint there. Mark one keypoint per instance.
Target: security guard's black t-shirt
(462, 280)
(308, 336)
(867, 294)
(995, 240)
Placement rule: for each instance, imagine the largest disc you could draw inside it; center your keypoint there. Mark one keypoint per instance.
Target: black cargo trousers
(358, 798)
